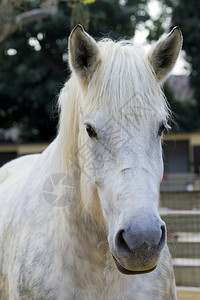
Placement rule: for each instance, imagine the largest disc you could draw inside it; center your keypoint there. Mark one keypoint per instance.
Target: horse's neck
(77, 229)
(83, 230)
(83, 244)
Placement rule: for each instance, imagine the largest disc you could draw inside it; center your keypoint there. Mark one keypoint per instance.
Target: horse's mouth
(130, 272)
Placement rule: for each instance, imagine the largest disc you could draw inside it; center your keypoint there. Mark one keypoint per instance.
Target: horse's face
(126, 166)
(121, 157)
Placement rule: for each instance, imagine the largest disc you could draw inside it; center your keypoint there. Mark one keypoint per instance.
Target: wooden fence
(181, 212)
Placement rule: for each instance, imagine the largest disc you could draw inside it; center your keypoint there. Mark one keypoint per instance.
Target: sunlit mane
(123, 82)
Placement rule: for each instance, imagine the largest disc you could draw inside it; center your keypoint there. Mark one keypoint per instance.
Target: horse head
(123, 114)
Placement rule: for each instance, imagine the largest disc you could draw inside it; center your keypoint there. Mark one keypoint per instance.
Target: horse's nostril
(129, 242)
(162, 239)
(121, 244)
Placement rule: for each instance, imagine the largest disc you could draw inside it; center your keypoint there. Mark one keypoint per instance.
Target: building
(181, 152)
(12, 151)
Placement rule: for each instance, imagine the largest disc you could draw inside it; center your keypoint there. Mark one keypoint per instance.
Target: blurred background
(33, 68)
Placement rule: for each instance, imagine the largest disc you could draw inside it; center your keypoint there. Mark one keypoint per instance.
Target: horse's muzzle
(130, 272)
(137, 252)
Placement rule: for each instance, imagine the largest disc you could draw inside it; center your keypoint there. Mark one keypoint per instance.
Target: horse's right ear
(83, 54)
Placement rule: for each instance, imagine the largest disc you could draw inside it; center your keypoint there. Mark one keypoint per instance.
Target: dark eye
(91, 132)
(161, 129)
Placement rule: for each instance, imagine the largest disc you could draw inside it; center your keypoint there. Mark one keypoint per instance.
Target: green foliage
(32, 77)
(80, 12)
(184, 114)
(186, 15)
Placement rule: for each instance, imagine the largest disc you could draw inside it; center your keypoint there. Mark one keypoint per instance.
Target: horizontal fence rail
(181, 212)
(188, 293)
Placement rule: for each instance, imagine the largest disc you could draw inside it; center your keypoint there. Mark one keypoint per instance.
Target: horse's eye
(161, 129)
(91, 132)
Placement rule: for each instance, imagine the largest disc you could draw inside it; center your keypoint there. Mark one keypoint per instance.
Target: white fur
(64, 253)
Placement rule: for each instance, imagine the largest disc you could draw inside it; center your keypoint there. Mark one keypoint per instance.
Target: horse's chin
(131, 272)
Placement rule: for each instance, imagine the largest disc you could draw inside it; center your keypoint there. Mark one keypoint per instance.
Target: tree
(15, 14)
(186, 15)
(182, 112)
(33, 61)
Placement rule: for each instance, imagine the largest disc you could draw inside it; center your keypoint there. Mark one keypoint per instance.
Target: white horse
(80, 221)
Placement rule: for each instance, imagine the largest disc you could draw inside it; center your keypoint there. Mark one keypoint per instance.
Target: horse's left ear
(164, 55)
(83, 54)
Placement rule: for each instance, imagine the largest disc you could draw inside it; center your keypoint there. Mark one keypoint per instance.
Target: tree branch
(25, 18)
